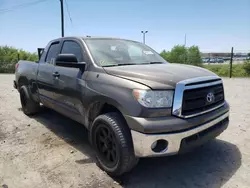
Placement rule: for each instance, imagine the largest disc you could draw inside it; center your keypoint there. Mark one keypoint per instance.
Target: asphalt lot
(49, 150)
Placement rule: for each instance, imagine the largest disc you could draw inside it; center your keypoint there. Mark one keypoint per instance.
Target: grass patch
(238, 70)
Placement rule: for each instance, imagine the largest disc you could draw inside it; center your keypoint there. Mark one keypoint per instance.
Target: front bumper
(171, 123)
(180, 141)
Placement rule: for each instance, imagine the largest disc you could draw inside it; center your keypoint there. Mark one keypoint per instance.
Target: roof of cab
(91, 37)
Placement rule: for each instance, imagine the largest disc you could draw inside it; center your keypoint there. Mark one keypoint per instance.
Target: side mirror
(66, 58)
(69, 60)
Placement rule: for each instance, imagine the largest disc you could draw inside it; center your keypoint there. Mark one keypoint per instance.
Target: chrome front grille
(191, 96)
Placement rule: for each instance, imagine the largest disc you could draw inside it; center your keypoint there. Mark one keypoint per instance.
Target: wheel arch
(101, 105)
(22, 81)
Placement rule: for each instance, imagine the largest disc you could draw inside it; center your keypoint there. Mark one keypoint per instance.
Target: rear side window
(52, 52)
(71, 47)
(42, 59)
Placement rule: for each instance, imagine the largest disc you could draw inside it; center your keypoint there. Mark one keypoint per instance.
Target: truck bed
(27, 69)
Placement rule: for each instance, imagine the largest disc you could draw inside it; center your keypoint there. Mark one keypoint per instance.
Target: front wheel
(112, 141)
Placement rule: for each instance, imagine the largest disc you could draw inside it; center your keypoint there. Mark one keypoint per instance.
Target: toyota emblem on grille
(210, 97)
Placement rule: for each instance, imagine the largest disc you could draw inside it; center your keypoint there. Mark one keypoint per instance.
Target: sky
(213, 25)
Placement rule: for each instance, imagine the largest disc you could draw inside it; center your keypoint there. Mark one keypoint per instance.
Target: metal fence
(228, 64)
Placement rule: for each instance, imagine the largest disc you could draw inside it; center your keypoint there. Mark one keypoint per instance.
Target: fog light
(159, 146)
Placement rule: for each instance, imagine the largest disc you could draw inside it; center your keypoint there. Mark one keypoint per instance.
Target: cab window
(52, 52)
(71, 47)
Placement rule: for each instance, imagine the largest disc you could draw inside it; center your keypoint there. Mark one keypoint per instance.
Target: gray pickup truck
(132, 102)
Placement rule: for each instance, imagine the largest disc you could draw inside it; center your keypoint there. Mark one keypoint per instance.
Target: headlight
(154, 99)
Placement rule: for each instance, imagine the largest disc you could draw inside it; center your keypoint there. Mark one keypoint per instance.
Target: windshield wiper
(155, 62)
(123, 64)
(126, 64)
(119, 64)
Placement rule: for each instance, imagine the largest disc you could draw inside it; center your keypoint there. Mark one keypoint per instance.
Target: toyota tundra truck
(133, 103)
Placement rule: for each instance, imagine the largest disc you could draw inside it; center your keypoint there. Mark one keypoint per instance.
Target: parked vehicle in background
(219, 60)
(239, 58)
(212, 60)
(226, 58)
(133, 103)
(205, 60)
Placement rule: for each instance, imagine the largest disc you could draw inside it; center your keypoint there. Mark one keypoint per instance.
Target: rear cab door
(45, 77)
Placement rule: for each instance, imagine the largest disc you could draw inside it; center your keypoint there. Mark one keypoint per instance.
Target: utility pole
(185, 58)
(231, 62)
(185, 40)
(144, 33)
(62, 18)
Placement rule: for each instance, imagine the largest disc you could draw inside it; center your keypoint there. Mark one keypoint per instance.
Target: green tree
(181, 54)
(194, 56)
(165, 55)
(9, 57)
(248, 54)
(178, 54)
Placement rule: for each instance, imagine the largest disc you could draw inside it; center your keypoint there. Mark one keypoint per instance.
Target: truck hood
(158, 76)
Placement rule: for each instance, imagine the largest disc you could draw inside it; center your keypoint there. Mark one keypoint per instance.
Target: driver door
(70, 83)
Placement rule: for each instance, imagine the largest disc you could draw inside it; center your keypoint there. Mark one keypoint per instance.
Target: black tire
(29, 106)
(124, 158)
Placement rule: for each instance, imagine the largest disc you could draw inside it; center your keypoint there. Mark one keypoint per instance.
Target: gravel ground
(49, 150)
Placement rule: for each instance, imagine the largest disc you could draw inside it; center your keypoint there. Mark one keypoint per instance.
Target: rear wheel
(29, 106)
(112, 141)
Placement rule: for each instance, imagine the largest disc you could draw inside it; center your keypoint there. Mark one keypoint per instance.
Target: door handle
(56, 74)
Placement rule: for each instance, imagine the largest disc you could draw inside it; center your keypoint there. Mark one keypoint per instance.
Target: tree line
(183, 55)
(9, 56)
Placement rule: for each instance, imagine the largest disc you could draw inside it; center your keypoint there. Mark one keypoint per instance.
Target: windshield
(115, 52)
